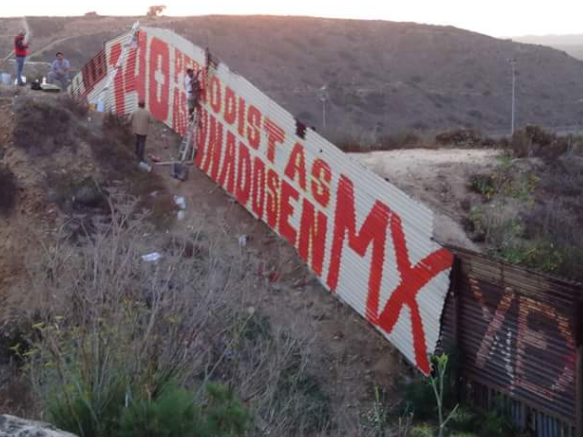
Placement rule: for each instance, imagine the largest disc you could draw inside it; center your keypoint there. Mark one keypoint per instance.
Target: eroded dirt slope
(52, 163)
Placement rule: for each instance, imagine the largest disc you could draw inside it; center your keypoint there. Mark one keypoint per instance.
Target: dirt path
(348, 355)
(48, 46)
(439, 178)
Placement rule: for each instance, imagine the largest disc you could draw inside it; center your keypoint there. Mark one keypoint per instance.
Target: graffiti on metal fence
(369, 243)
(520, 329)
(517, 332)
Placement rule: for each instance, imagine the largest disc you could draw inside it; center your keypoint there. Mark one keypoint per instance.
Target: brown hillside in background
(571, 44)
(382, 77)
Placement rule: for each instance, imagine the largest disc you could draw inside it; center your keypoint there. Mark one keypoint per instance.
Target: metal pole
(324, 111)
(513, 62)
(322, 94)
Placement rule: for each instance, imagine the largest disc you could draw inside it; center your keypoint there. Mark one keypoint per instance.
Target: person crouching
(60, 71)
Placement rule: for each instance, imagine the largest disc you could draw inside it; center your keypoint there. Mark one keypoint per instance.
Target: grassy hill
(381, 77)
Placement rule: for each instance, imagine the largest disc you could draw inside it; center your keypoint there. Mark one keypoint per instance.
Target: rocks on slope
(11, 426)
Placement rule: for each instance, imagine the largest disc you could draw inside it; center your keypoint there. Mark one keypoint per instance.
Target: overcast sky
(493, 17)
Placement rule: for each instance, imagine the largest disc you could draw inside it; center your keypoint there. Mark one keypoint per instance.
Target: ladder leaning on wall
(189, 140)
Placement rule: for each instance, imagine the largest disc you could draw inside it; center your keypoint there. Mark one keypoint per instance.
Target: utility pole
(323, 99)
(324, 111)
(513, 117)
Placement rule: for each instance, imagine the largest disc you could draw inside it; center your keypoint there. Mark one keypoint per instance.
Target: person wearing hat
(60, 71)
(20, 48)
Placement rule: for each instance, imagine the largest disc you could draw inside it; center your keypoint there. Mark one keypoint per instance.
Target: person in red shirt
(20, 47)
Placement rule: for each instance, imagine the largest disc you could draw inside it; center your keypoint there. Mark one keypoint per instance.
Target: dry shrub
(368, 142)
(112, 323)
(400, 140)
(8, 190)
(460, 138)
(555, 230)
(118, 128)
(564, 177)
(534, 141)
(114, 153)
(42, 127)
(75, 106)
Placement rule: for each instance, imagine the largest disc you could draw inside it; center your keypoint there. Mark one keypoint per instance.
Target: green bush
(85, 412)
(171, 414)
(484, 185)
(481, 423)
(174, 413)
(420, 397)
(223, 415)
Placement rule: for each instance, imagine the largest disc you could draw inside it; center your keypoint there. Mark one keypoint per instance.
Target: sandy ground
(437, 177)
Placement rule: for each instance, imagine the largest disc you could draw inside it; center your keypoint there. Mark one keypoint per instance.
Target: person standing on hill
(141, 120)
(60, 71)
(20, 48)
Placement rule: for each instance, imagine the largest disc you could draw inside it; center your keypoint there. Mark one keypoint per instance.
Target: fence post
(455, 289)
(579, 373)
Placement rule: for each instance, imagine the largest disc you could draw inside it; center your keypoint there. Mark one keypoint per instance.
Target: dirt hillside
(380, 77)
(65, 172)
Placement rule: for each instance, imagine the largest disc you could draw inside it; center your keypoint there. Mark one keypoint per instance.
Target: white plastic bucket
(5, 78)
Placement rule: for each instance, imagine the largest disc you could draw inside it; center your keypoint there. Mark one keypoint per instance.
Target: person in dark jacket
(20, 48)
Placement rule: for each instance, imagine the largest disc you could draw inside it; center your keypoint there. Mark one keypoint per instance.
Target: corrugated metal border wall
(519, 337)
(368, 242)
(518, 332)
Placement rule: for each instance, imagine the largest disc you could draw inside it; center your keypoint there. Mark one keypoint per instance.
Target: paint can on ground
(5, 78)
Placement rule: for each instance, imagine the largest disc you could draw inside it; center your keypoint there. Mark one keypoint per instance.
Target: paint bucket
(5, 78)
(144, 166)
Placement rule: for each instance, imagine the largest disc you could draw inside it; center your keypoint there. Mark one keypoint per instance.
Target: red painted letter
(321, 178)
(286, 211)
(275, 135)
(243, 174)
(258, 186)
(313, 237)
(296, 166)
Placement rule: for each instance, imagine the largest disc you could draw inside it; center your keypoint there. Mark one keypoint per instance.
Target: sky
(493, 17)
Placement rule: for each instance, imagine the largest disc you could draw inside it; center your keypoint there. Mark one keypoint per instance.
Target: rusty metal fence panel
(518, 333)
